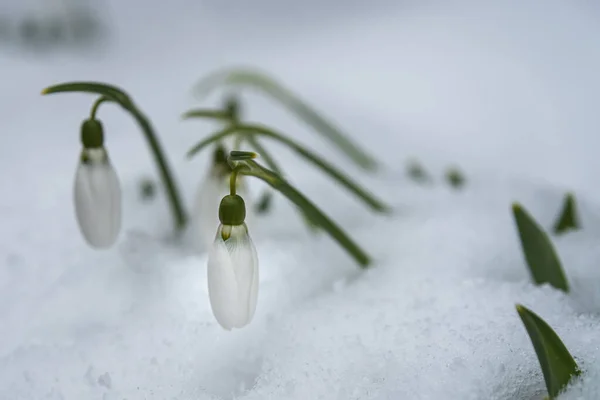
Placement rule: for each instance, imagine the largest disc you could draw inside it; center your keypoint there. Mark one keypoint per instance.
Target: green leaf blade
(568, 219)
(103, 89)
(558, 366)
(308, 208)
(340, 177)
(217, 115)
(541, 258)
(258, 80)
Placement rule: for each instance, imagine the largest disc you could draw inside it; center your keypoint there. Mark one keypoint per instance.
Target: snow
(506, 90)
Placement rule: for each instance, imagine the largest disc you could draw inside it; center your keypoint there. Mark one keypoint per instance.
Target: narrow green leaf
(310, 209)
(568, 219)
(242, 155)
(544, 265)
(261, 81)
(265, 202)
(558, 366)
(329, 169)
(110, 91)
(218, 115)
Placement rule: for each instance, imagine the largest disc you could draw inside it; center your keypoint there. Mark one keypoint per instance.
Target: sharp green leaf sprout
(558, 366)
(568, 219)
(251, 168)
(258, 80)
(111, 93)
(544, 265)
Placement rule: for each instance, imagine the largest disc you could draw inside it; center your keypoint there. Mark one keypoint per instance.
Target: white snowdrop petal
(222, 284)
(97, 198)
(254, 285)
(245, 267)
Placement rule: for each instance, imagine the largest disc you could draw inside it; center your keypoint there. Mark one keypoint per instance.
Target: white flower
(233, 276)
(97, 196)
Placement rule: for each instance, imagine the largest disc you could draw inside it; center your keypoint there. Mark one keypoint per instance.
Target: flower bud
(92, 134)
(232, 210)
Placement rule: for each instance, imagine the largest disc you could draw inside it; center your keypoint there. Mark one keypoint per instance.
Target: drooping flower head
(233, 267)
(97, 192)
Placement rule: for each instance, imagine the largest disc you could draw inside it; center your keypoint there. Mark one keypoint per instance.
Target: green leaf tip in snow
(558, 366)
(544, 265)
(253, 78)
(568, 219)
(455, 178)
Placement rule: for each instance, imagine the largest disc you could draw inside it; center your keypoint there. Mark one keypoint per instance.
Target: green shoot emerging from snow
(544, 265)
(558, 366)
(568, 219)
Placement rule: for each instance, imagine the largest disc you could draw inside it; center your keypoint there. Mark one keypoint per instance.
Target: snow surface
(506, 90)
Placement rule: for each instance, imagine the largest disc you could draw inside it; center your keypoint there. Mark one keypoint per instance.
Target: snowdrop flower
(97, 192)
(233, 267)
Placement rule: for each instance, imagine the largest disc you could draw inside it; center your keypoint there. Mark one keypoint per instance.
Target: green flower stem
(251, 168)
(96, 105)
(111, 93)
(368, 198)
(233, 181)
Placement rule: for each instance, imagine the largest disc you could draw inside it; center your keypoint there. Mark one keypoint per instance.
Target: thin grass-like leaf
(558, 366)
(329, 169)
(218, 115)
(111, 92)
(264, 202)
(311, 210)
(568, 219)
(544, 265)
(259, 80)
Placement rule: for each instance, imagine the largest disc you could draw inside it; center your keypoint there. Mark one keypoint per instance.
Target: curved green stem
(112, 93)
(345, 181)
(97, 103)
(233, 181)
(250, 167)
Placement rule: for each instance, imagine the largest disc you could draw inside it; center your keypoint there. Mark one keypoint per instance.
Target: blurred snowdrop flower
(97, 192)
(233, 267)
